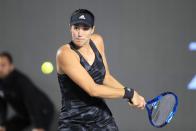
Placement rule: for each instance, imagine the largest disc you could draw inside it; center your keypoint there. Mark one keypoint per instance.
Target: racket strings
(162, 109)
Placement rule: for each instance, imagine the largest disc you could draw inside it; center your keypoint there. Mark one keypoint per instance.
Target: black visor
(82, 19)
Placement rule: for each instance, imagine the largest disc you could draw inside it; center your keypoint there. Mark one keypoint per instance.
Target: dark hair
(7, 55)
(83, 11)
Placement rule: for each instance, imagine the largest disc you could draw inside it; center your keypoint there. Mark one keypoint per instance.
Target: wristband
(129, 92)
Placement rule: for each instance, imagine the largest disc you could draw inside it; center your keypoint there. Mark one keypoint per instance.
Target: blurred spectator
(32, 107)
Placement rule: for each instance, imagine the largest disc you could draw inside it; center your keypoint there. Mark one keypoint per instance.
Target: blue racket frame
(171, 113)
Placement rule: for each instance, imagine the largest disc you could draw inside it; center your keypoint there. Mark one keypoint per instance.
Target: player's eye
(76, 27)
(83, 28)
(86, 28)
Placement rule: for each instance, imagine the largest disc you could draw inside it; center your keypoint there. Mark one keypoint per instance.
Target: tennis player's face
(5, 67)
(81, 34)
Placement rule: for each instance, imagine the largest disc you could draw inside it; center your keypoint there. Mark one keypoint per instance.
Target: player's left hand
(138, 101)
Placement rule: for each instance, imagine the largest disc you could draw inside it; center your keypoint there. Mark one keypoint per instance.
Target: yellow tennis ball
(47, 67)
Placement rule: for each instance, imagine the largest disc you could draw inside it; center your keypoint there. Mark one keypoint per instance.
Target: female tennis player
(85, 80)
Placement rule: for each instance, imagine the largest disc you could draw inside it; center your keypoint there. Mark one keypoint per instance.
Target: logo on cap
(82, 17)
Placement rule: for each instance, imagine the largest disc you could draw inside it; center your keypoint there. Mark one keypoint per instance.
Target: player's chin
(80, 43)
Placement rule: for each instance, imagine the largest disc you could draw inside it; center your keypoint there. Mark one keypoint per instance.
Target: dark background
(146, 45)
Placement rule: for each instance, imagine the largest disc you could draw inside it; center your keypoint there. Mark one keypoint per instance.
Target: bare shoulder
(98, 40)
(65, 58)
(97, 37)
(63, 50)
(64, 53)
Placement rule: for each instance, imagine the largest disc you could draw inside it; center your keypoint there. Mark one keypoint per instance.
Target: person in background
(33, 108)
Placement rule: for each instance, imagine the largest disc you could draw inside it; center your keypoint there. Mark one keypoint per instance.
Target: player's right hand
(138, 101)
(2, 129)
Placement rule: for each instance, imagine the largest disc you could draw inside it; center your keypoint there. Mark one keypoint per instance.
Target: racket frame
(156, 99)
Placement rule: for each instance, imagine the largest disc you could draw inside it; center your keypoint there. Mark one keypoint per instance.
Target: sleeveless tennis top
(77, 106)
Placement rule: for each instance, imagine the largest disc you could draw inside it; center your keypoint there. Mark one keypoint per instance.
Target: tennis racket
(162, 108)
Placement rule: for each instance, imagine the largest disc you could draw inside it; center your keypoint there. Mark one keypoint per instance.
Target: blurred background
(147, 48)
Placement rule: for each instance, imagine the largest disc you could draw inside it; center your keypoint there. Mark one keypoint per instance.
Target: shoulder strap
(73, 48)
(93, 46)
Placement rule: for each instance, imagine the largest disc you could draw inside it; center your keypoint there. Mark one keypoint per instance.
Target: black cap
(82, 16)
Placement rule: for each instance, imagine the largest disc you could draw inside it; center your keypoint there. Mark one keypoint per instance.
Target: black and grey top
(79, 108)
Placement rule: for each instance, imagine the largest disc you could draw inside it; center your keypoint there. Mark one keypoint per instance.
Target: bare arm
(110, 81)
(71, 66)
